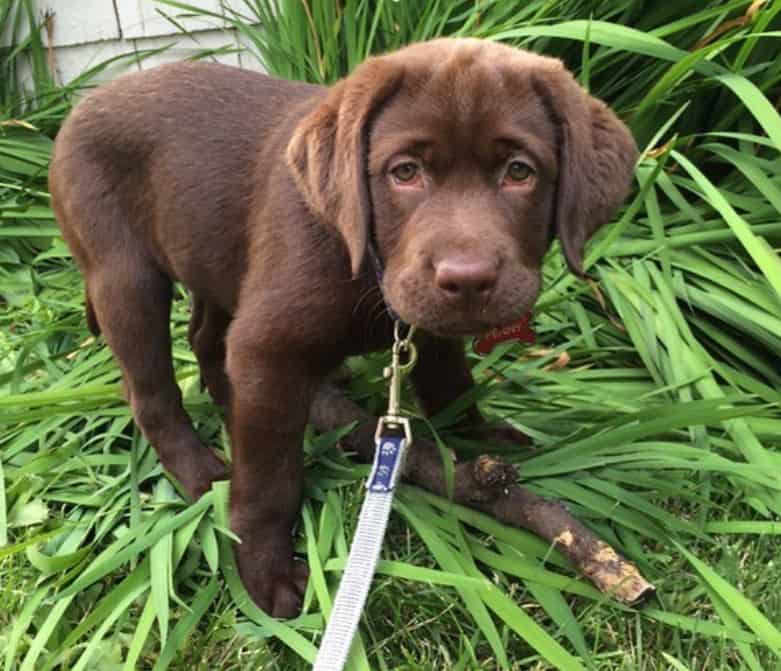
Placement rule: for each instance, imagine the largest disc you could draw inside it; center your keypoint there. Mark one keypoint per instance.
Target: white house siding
(87, 32)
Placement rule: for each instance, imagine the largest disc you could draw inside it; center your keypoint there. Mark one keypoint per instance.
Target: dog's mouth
(431, 310)
(462, 329)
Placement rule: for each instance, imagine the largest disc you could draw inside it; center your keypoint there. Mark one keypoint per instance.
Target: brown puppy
(455, 162)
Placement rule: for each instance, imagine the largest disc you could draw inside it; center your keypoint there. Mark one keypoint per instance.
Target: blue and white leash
(391, 440)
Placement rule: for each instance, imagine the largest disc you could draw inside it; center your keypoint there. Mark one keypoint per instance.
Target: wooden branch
(489, 485)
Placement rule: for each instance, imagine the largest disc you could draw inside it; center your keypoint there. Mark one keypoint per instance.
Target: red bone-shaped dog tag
(520, 330)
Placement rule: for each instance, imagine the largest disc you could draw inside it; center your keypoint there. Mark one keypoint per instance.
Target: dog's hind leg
(92, 320)
(206, 334)
(131, 299)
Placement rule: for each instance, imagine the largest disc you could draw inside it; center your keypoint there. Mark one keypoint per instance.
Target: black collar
(379, 271)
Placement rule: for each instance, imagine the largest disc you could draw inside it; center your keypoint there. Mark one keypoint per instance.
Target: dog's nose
(466, 280)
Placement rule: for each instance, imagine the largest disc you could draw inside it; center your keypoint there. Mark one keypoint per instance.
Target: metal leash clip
(392, 438)
(393, 432)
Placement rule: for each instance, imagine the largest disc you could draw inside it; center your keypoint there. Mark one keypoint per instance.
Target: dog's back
(166, 160)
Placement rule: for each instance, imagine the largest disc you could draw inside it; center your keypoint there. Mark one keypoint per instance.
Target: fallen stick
(489, 485)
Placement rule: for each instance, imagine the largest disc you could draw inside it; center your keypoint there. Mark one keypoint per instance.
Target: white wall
(86, 32)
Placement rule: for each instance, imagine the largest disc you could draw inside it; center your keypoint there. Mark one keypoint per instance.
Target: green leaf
(186, 624)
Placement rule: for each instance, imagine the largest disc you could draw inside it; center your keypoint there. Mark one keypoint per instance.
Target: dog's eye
(405, 173)
(518, 171)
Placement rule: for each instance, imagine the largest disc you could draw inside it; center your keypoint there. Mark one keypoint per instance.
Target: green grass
(662, 433)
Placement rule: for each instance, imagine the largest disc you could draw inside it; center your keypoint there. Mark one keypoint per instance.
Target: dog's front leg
(271, 395)
(441, 376)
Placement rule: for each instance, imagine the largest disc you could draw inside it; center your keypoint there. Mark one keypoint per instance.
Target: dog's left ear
(597, 154)
(328, 153)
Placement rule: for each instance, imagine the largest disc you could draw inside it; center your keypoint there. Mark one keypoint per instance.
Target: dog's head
(464, 158)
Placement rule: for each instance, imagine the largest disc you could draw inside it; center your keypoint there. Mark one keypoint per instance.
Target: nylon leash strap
(391, 440)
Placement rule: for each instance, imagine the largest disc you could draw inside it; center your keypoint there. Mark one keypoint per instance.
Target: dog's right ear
(328, 153)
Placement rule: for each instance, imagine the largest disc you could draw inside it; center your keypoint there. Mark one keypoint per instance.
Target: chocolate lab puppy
(454, 162)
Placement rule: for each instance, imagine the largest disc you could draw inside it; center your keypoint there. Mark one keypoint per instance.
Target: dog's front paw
(194, 467)
(199, 470)
(274, 578)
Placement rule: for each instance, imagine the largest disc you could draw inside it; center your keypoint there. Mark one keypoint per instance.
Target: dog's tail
(92, 318)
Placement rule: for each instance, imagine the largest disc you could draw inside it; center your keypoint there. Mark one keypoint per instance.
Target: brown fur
(261, 196)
